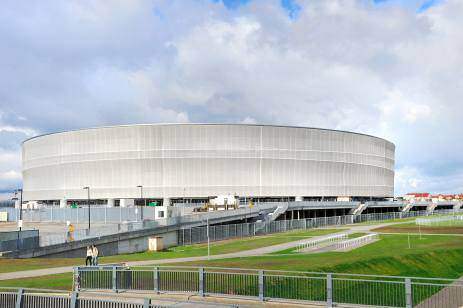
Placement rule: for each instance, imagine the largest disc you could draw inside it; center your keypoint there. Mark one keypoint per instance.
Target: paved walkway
(193, 300)
(245, 253)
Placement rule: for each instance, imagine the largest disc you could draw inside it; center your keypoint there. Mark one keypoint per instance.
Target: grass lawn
(414, 228)
(431, 256)
(54, 282)
(220, 247)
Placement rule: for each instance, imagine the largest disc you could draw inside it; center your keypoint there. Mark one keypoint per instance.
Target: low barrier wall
(14, 240)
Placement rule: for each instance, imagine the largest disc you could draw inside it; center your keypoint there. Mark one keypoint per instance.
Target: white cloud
(10, 175)
(346, 64)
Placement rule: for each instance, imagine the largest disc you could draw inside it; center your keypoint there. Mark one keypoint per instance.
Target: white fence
(357, 242)
(457, 220)
(319, 243)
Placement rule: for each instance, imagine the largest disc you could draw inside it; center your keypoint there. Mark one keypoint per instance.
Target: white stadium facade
(177, 162)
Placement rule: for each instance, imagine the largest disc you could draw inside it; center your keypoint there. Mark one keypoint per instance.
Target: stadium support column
(63, 202)
(110, 203)
(166, 201)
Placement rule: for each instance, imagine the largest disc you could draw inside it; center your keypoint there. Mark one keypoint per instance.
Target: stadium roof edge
(235, 124)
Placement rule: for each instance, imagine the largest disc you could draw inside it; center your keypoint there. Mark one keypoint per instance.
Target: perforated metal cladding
(201, 160)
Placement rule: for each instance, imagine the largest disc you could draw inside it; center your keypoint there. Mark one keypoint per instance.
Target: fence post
(75, 285)
(147, 303)
(156, 280)
(329, 290)
(114, 279)
(201, 281)
(19, 298)
(74, 296)
(261, 285)
(408, 293)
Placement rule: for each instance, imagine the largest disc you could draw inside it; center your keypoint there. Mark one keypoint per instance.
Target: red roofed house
(417, 197)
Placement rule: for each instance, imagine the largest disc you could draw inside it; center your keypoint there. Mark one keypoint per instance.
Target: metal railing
(196, 235)
(40, 298)
(451, 220)
(356, 242)
(328, 288)
(193, 235)
(315, 244)
(45, 298)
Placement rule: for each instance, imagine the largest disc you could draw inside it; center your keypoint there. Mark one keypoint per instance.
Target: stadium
(194, 162)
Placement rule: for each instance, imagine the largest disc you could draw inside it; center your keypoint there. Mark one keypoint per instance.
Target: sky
(391, 68)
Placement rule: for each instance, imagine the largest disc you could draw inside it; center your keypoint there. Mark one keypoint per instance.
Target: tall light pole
(141, 197)
(141, 193)
(208, 239)
(20, 220)
(88, 205)
(20, 208)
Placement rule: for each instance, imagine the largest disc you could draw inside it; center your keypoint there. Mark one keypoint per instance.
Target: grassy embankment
(445, 228)
(220, 247)
(430, 256)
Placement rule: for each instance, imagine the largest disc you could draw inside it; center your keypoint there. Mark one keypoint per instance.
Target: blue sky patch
(291, 6)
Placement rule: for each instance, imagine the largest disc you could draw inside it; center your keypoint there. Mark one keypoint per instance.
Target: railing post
(329, 290)
(75, 281)
(261, 285)
(74, 296)
(146, 302)
(156, 279)
(408, 293)
(201, 281)
(114, 280)
(19, 298)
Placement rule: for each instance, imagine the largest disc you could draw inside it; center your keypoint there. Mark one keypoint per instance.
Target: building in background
(175, 163)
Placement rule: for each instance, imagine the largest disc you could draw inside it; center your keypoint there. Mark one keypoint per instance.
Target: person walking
(94, 255)
(70, 232)
(89, 259)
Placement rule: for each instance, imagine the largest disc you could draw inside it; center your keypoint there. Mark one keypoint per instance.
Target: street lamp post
(144, 202)
(88, 205)
(20, 208)
(208, 240)
(20, 215)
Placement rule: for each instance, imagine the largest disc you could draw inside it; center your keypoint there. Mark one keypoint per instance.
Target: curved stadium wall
(203, 160)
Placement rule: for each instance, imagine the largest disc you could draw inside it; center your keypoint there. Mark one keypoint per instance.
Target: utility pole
(88, 205)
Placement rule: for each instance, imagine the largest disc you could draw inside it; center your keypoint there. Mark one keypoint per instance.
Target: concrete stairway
(431, 207)
(407, 207)
(358, 210)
